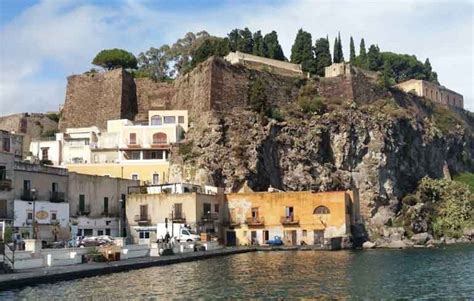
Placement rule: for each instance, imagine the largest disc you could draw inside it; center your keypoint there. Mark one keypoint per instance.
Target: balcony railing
(178, 217)
(84, 210)
(143, 219)
(290, 220)
(255, 221)
(57, 197)
(26, 195)
(210, 216)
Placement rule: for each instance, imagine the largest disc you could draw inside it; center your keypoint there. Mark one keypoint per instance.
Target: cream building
(97, 204)
(194, 207)
(433, 92)
(138, 151)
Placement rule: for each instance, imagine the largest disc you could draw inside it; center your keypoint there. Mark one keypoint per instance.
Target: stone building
(432, 91)
(263, 63)
(188, 204)
(296, 217)
(96, 204)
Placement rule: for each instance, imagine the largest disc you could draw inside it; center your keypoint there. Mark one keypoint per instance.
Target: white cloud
(52, 40)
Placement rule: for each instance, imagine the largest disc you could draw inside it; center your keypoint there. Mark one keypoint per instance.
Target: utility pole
(33, 193)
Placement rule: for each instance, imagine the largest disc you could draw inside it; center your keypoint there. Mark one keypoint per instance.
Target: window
(100, 232)
(135, 155)
(156, 120)
(254, 212)
(29, 215)
(143, 212)
(107, 231)
(54, 216)
(178, 210)
(106, 204)
(134, 176)
(6, 144)
(44, 153)
(305, 233)
(124, 199)
(79, 232)
(207, 207)
(289, 211)
(82, 203)
(180, 119)
(216, 208)
(107, 223)
(159, 138)
(184, 232)
(169, 119)
(54, 187)
(144, 235)
(88, 232)
(156, 178)
(321, 210)
(133, 138)
(3, 172)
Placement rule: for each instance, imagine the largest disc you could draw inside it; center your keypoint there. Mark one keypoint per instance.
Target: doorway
(319, 237)
(231, 239)
(266, 236)
(290, 237)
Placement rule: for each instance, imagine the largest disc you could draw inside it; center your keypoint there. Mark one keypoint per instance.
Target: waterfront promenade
(62, 273)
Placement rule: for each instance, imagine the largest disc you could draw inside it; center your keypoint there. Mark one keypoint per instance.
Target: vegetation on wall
(466, 178)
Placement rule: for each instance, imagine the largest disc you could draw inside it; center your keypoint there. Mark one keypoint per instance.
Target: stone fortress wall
(433, 92)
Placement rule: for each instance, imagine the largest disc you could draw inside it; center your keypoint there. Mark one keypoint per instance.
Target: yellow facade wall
(144, 170)
(272, 206)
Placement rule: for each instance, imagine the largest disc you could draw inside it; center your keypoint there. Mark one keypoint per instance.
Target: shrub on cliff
(257, 98)
(115, 58)
(311, 105)
(444, 207)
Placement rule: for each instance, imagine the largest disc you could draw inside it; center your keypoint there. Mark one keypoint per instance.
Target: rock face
(420, 238)
(368, 245)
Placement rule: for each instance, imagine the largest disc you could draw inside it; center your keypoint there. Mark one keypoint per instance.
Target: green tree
(302, 51)
(257, 96)
(181, 51)
(155, 63)
(115, 58)
(258, 44)
(245, 43)
(323, 55)
(387, 77)
(274, 50)
(337, 54)
(428, 71)
(361, 60)
(374, 60)
(352, 55)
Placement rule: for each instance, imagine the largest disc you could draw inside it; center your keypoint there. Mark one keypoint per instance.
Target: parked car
(276, 241)
(95, 241)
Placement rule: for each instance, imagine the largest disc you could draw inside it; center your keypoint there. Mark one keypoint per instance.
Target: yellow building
(297, 217)
(432, 91)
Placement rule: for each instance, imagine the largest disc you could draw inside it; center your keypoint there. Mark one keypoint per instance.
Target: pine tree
(352, 55)
(323, 55)
(258, 45)
(302, 51)
(362, 58)
(274, 50)
(245, 43)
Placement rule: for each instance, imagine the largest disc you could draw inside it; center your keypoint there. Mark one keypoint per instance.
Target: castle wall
(261, 63)
(92, 99)
(433, 92)
(152, 96)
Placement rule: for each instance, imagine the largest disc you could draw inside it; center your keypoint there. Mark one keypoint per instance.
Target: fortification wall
(152, 96)
(92, 99)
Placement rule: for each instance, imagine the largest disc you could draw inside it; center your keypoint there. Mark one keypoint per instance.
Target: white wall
(97, 224)
(54, 150)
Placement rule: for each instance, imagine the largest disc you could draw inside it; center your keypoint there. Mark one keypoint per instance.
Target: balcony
(107, 213)
(142, 219)
(57, 197)
(178, 218)
(289, 220)
(26, 195)
(83, 210)
(29, 221)
(255, 221)
(210, 217)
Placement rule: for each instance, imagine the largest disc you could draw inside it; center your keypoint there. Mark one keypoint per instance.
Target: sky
(44, 42)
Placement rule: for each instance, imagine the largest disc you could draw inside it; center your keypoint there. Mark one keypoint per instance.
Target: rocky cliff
(381, 147)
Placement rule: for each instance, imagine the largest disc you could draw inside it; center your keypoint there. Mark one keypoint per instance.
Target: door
(266, 236)
(144, 237)
(253, 238)
(231, 239)
(318, 237)
(290, 237)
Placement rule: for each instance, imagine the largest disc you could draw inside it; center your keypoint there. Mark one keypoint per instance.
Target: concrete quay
(63, 273)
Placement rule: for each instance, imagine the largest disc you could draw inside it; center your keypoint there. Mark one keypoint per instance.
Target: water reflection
(370, 274)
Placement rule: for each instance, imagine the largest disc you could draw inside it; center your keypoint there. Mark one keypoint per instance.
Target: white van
(180, 232)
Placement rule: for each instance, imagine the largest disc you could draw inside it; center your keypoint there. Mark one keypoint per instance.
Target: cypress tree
(339, 48)
(323, 55)
(374, 60)
(362, 58)
(302, 51)
(335, 52)
(352, 55)
(245, 43)
(274, 50)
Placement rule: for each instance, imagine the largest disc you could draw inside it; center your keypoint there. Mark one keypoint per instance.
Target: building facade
(97, 204)
(40, 201)
(432, 91)
(297, 217)
(7, 160)
(202, 212)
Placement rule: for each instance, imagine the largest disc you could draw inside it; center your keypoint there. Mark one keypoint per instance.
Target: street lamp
(33, 195)
(120, 217)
